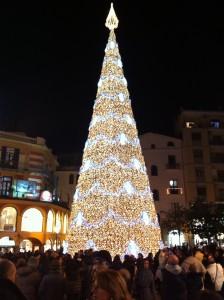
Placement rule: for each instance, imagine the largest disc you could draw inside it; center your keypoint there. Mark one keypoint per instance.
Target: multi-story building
(31, 213)
(67, 176)
(163, 160)
(203, 155)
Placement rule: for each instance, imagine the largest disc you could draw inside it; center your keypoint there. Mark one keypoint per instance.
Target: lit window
(65, 225)
(58, 223)
(190, 125)
(173, 183)
(8, 219)
(32, 220)
(215, 123)
(50, 220)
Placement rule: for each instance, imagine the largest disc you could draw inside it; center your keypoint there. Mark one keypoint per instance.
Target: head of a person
(33, 262)
(109, 285)
(172, 260)
(146, 263)
(211, 259)
(7, 269)
(199, 255)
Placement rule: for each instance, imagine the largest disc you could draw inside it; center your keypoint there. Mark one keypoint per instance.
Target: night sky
(51, 58)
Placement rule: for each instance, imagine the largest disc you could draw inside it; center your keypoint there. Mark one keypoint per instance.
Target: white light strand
(115, 141)
(125, 118)
(96, 187)
(111, 214)
(104, 79)
(88, 165)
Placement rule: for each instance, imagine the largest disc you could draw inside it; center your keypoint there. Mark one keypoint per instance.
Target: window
(201, 193)
(196, 138)
(220, 175)
(8, 219)
(57, 228)
(5, 186)
(217, 140)
(215, 124)
(172, 162)
(173, 183)
(221, 195)
(200, 174)
(190, 124)
(65, 224)
(155, 195)
(32, 220)
(9, 157)
(154, 170)
(170, 144)
(50, 220)
(217, 157)
(158, 217)
(71, 179)
(153, 146)
(198, 155)
(173, 187)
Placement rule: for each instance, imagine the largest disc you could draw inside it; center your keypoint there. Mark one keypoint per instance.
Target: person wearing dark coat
(28, 278)
(194, 282)
(52, 286)
(144, 281)
(173, 283)
(8, 288)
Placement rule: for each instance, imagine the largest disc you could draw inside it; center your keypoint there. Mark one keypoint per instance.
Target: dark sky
(51, 57)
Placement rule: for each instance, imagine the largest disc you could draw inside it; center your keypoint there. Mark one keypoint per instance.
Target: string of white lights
(127, 189)
(124, 118)
(119, 139)
(88, 165)
(144, 219)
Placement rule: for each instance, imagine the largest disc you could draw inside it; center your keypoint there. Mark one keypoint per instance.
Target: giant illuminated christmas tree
(113, 207)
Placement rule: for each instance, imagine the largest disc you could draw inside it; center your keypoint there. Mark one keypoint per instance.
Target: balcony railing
(174, 191)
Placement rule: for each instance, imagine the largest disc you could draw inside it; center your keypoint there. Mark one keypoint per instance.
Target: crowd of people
(180, 273)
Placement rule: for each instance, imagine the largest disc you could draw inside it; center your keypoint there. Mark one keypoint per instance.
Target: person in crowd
(215, 271)
(28, 277)
(73, 280)
(109, 284)
(197, 260)
(194, 282)
(145, 286)
(52, 286)
(116, 263)
(173, 283)
(8, 288)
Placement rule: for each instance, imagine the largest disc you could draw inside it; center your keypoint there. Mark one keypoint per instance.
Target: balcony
(174, 191)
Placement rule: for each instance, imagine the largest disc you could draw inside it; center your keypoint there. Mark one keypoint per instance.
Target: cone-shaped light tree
(113, 207)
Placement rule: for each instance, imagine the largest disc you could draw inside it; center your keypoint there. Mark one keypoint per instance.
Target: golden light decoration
(113, 207)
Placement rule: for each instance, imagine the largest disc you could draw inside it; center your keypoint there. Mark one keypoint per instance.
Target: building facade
(203, 155)
(31, 214)
(163, 158)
